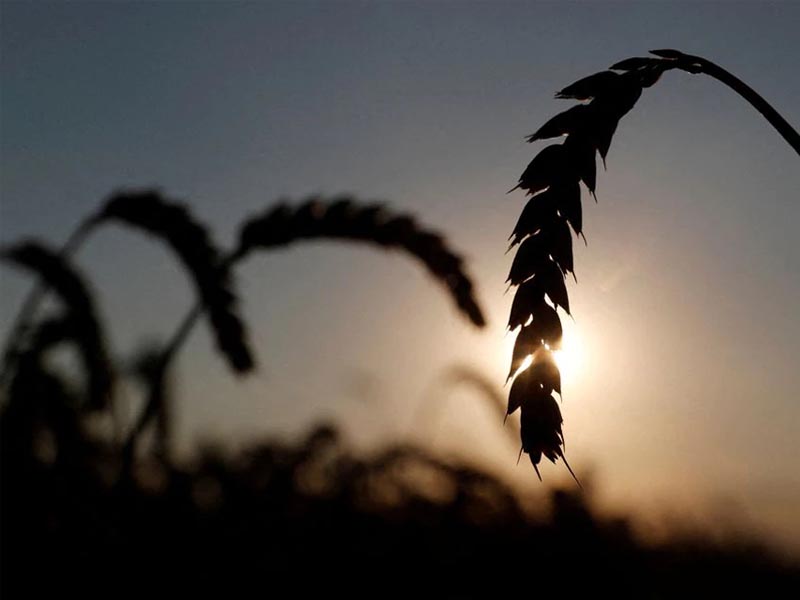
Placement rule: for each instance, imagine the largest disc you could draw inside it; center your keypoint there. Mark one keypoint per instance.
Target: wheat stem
(698, 64)
(164, 361)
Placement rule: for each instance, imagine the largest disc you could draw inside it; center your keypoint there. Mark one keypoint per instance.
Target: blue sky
(686, 303)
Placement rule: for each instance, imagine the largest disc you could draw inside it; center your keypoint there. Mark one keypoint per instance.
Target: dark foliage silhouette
(544, 256)
(81, 323)
(85, 512)
(212, 272)
(312, 516)
(309, 516)
(171, 221)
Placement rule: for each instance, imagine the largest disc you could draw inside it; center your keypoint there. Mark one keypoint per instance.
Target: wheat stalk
(149, 367)
(172, 222)
(344, 218)
(341, 218)
(82, 324)
(542, 232)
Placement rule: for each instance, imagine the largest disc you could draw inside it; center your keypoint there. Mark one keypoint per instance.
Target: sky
(684, 392)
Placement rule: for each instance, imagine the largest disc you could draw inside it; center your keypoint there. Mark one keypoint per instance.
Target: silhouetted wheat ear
(345, 218)
(81, 324)
(545, 256)
(172, 222)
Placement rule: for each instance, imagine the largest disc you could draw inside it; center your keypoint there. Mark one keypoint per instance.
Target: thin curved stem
(170, 350)
(705, 66)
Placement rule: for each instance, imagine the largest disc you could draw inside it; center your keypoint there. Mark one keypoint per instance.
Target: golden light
(525, 364)
(572, 355)
(571, 358)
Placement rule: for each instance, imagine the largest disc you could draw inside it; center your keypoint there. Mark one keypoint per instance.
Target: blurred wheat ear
(81, 323)
(544, 256)
(212, 273)
(344, 218)
(173, 223)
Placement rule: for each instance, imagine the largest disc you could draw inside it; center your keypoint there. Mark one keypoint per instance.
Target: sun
(571, 357)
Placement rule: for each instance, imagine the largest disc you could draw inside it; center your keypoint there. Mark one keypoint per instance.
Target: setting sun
(570, 359)
(572, 355)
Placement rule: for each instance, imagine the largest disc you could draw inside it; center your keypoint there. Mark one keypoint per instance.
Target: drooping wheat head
(544, 257)
(344, 218)
(172, 222)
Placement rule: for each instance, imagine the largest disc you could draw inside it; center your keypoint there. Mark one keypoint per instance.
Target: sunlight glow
(571, 358)
(572, 355)
(525, 364)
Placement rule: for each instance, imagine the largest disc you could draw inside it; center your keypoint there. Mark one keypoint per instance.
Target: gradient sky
(688, 290)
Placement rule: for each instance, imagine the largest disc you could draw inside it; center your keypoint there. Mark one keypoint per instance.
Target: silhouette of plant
(174, 224)
(212, 272)
(171, 222)
(338, 218)
(235, 520)
(544, 256)
(148, 368)
(80, 323)
(344, 218)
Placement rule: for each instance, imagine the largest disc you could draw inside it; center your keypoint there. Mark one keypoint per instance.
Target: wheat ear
(543, 234)
(172, 222)
(344, 218)
(83, 324)
(341, 218)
